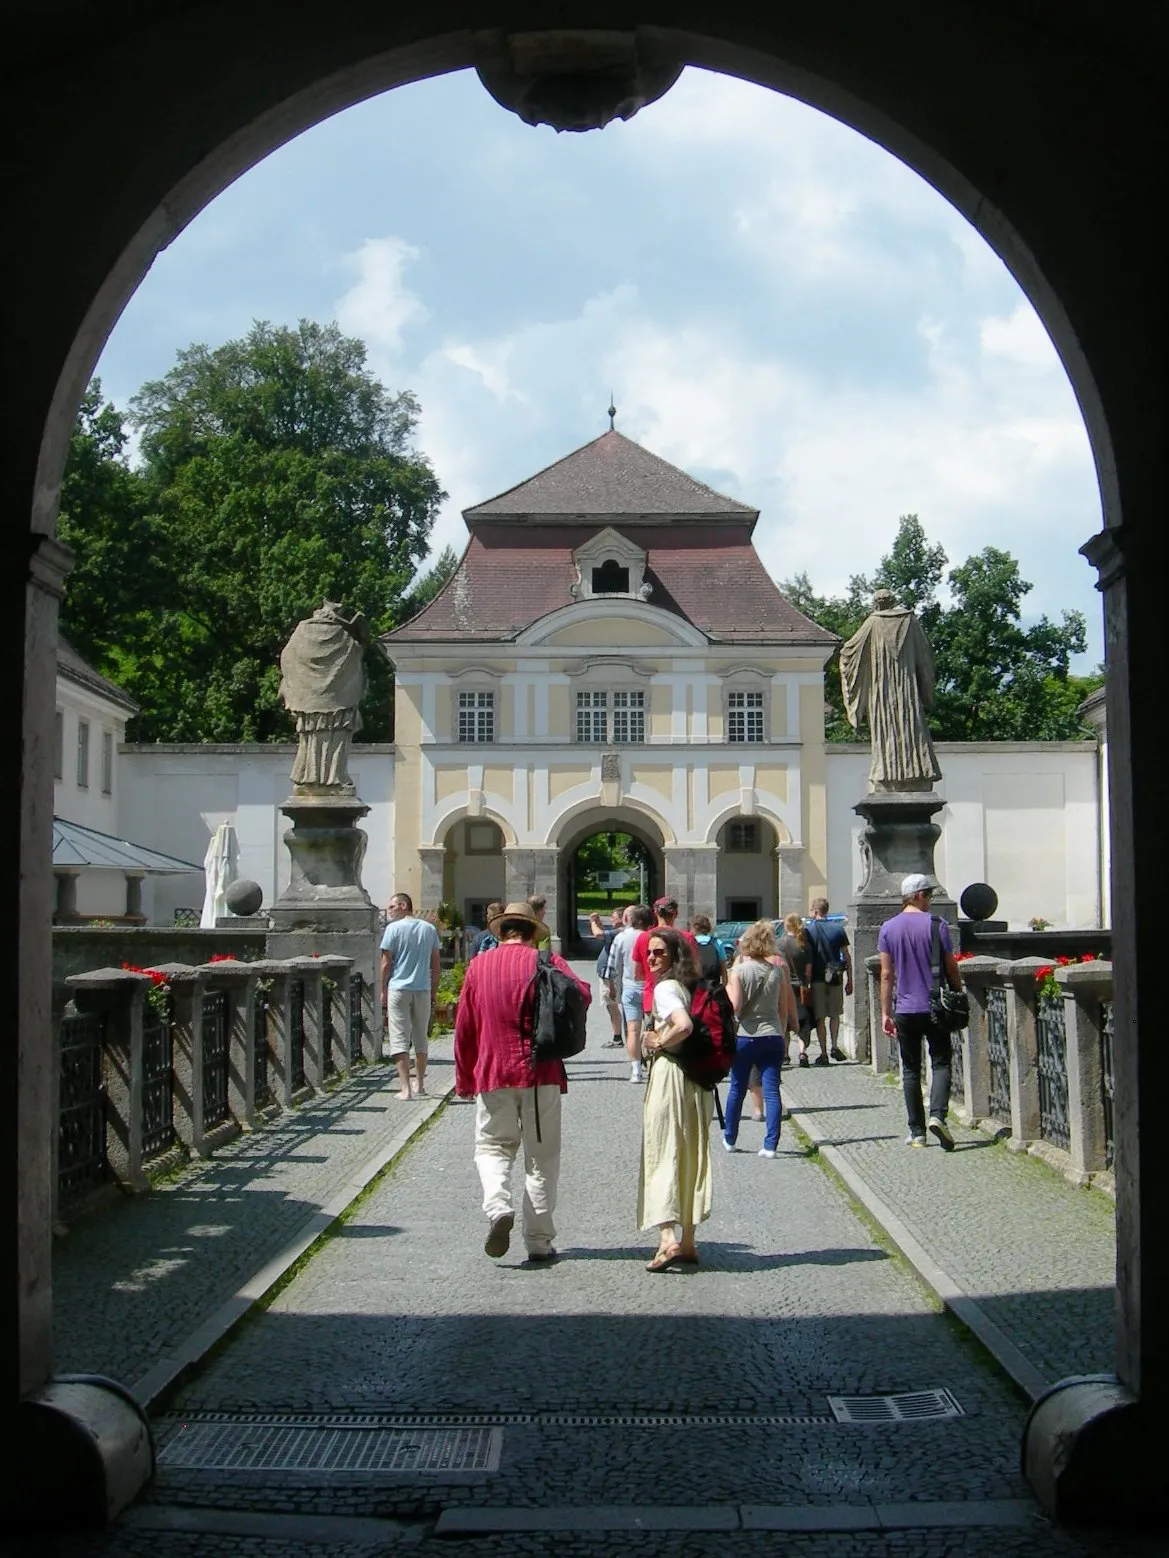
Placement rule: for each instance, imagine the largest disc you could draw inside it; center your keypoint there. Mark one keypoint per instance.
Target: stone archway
(587, 826)
(1062, 179)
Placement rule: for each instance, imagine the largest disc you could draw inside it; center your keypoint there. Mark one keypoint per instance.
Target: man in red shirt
(666, 910)
(493, 1065)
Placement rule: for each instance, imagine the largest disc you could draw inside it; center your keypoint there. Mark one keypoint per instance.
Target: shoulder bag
(949, 1008)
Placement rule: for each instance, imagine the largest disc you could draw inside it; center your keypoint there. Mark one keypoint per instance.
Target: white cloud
(379, 307)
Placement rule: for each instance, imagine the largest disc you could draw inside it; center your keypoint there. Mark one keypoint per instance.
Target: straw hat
(514, 911)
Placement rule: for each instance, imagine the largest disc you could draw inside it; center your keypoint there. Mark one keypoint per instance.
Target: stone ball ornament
(979, 901)
(574, 78)
(244, 897)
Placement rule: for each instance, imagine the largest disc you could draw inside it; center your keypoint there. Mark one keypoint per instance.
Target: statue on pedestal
(887, 675)
(322, 682)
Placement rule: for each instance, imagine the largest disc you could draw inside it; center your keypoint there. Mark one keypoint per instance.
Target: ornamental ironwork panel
(81, 1145)
(214, 1058)
(297, 1079)
(1052, 1071)
(158, 1081)
(327, 1034)
(957, 1065)
(998, 1055)
(356, 995)
(260, 1050)
(1106, 1072)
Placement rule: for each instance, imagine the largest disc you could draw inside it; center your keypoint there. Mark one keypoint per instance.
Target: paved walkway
(697, 1399)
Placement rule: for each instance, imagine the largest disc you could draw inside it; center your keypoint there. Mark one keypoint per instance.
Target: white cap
(916, 883)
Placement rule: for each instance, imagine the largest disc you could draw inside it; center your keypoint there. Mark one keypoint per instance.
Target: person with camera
(908, 962)
(829, 979)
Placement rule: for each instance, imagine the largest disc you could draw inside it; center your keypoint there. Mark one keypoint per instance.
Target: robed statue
(322, 682)
(887, 674)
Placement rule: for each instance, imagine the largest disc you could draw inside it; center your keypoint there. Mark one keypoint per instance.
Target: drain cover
(286, 1445)
(914, 1406)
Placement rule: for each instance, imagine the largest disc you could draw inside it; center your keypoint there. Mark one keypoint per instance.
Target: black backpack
(709, 959)
(558, 1013)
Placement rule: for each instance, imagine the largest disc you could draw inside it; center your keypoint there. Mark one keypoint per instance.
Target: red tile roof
(609, 476)
(708, 574)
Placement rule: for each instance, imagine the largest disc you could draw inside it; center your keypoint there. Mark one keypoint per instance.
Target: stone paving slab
(148, 1283)
(1036, 1254)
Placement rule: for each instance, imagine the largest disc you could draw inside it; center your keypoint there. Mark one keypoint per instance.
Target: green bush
(450, 983)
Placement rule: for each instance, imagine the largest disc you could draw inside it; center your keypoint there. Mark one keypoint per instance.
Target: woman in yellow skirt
(675, 1190)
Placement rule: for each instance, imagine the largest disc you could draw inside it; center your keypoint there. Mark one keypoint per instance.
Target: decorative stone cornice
(1106, 553)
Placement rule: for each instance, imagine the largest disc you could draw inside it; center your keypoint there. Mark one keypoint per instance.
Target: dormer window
(610, 578)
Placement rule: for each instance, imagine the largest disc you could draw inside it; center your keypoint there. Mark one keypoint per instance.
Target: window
(476, 716)
(628, 717)
(83, 754)
(742, 908)
(483, 838)
(610, 578)
(743, 837)
(59, 747)
(107, 762)
(592, 717)
(744, 716)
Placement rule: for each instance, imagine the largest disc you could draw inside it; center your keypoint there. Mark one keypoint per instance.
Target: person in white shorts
(409, 975)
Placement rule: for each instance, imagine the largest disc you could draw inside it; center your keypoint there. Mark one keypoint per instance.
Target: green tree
(277, 471)
(427, 585)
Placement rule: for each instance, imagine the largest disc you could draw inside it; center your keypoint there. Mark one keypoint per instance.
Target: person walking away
(761, 994)
(537, 906)
(485, 940)
(607, 934)
(517, 1103)
(792, 947)
(627, 979)
(829, 979)
(711, 963)
(674, 1190)
(409, 980)
(905, 946)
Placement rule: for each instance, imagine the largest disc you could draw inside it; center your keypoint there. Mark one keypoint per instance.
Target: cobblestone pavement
(132, 1281)
(401, 1313)
(1037, 1254)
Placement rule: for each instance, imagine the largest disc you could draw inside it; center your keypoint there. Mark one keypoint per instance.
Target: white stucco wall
(172, 798)
(90, 805)
(1024, 817)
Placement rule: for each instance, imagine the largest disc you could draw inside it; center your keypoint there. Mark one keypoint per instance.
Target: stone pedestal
(898, 839)
(531, 873)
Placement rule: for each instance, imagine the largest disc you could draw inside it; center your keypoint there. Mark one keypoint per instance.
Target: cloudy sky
(779, 306)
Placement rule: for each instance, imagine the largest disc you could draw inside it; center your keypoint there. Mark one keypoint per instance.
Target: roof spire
(612, 411)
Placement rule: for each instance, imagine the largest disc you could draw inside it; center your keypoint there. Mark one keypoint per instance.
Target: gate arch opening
(645, 849)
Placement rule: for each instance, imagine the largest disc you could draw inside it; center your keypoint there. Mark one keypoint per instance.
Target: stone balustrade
(1033, 1069)
(147, 1071)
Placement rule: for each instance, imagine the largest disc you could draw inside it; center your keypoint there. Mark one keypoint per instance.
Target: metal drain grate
(914, 1406)
(167, 1427)
(307, 1446)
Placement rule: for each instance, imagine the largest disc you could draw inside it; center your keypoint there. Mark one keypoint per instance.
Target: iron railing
(328, 1061)
(998, 1055)
(81, 1151)
(158, 1081)
(214, 1058)
(260, 1050)
(356, 996)
(1106, 1038)
(1052, 1071)
(297, 1079)
(957, 1065)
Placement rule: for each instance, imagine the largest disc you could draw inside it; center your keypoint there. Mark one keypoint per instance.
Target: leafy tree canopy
(997, 680)
(276, 471)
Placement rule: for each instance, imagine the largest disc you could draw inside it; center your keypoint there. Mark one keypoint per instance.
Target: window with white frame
(628, 718)
(742, 836)
(83, 754)
(476, 716)
(592, 717)
(744, 716)
(107, 762)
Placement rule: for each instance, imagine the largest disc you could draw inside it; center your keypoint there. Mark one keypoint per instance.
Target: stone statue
(887, 674)
(322, 682)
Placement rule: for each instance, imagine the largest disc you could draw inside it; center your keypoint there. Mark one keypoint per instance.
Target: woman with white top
(675, 1189)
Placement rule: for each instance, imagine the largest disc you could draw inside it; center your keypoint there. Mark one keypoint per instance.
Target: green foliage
(427, 586)
(996, 679)
(607, 852)
(277, 472)
(450, 983)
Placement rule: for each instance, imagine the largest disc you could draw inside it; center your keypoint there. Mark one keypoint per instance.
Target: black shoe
(837, 1054)
(541, 1257)
(821, 1060)
(617, 1040)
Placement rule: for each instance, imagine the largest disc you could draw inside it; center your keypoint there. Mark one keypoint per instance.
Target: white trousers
(505, 1118)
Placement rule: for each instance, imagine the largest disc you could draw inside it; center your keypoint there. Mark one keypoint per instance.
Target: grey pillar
(883, 1053)
(186, 987)
(791, 878)
(1085, 986)
(338, 971)
(978, 974)
(1023, 1048)
(309, 971)
(65, 907)
(430, 882)
(532, 873)
(280, 1032)
(692, 878)
(134, 881)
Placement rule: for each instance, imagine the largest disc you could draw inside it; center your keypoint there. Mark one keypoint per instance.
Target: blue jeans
(767, 1053)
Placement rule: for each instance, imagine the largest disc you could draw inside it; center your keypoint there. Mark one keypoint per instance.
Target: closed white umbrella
(219, 870)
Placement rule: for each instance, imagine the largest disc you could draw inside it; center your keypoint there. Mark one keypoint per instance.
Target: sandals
(664, 1259)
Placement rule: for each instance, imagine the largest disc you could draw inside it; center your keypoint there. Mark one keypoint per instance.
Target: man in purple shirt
(905, 945)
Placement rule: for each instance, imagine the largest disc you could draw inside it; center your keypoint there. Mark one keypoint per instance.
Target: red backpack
(709, 1048)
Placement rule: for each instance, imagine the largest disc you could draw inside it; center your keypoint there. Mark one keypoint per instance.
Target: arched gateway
(611, 646)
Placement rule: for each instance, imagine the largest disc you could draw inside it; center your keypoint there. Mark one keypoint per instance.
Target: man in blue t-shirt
(905, 944)
(409, 975)
(829, 978)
